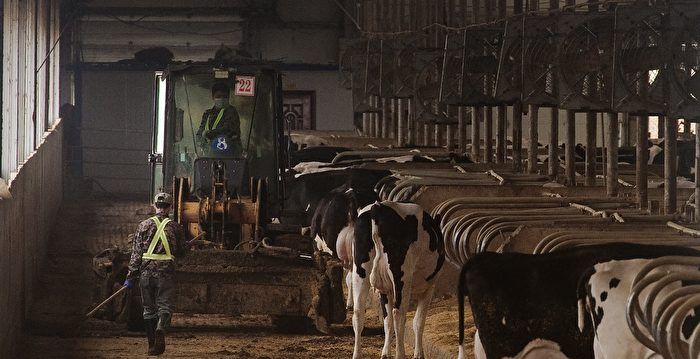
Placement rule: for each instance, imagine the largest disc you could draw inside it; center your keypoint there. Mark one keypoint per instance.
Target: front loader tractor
(228, 193)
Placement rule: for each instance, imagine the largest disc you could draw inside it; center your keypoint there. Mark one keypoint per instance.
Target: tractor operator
(158, 240)
(220, 130)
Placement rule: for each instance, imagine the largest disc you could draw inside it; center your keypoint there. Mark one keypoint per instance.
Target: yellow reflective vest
(159, 237)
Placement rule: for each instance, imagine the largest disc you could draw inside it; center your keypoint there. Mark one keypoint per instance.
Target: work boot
(162, 324)
(151, 334)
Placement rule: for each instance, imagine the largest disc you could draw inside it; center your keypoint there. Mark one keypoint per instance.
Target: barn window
(29, 81)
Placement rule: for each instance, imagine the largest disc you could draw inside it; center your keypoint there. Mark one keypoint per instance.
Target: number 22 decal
(245, 85)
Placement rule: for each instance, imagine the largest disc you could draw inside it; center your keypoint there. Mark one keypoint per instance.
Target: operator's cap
(164, 198)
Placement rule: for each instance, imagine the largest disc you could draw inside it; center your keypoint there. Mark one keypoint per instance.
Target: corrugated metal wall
(117, 120)
(25, 222)
(30, 78)
(31, 156)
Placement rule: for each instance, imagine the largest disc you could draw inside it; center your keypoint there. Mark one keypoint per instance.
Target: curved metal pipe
(678, 243)
(483, 244)
(383, 183)
(641, 238)
(673, 343)
(634, 310)
(661, 333)
(675, 308)
(561, 201)
(694, 347)
(511, 208)
(641, 281)
(686, 230)
(618, 230)
(653, 291)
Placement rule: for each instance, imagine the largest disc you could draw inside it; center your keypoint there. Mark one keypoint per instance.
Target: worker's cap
(163, 198)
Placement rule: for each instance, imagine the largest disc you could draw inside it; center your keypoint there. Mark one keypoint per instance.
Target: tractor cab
(222, 162)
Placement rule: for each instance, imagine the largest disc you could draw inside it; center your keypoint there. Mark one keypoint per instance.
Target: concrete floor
(59, 329)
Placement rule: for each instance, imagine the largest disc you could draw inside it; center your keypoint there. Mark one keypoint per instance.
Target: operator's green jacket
(215, 123)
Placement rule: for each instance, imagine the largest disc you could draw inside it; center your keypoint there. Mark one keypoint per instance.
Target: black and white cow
(304, 193)
(519, 298)
(604, 291)
(399, 251)
(333, 226)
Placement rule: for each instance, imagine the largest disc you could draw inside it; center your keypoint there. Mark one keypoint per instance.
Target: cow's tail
(581, 297)
(352, 205)
(316, 219)
(432, 225)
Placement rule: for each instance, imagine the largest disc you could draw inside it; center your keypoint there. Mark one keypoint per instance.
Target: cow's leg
(400, 320)
(379, 306)
(348, 283)
(388, 319)
(360, 291)
(419, 322)
(479, 352)
(400, 330)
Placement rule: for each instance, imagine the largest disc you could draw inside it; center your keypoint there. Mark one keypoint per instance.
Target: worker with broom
(157, 243)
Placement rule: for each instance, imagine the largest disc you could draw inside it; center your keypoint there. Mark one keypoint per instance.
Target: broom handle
(106, 301)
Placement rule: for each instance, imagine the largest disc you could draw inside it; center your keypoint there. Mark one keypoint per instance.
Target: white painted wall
(544, 123)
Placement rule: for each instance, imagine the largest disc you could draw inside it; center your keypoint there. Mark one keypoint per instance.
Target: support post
(488, 134)
(553, 164)
(378, 118)
(697, 173)
(501, 134)
(517, 136)
(438, 135)
(532, 145)
(553, 169)
(400, 121)
(476, 138)
(611, 137)
(410, 123)
(372, 117)
(570, 147)
(449, 137)
(461, 130)
(386, 117)
(670, 153)
(642, 160)
(426, 135)
(625, 130)
(366, 121)
(590, 148)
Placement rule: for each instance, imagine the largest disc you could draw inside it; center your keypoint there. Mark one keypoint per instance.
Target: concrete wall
(117, 127)
(333, 103)
(106, 39)
(25, 221)
(308, 34)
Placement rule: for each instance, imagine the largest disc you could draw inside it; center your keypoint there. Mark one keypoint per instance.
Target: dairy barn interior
(350, 178)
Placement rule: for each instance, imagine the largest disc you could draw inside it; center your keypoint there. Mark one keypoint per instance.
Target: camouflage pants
(156, 295)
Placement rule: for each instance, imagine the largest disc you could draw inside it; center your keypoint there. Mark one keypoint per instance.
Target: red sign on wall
(245, 86)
